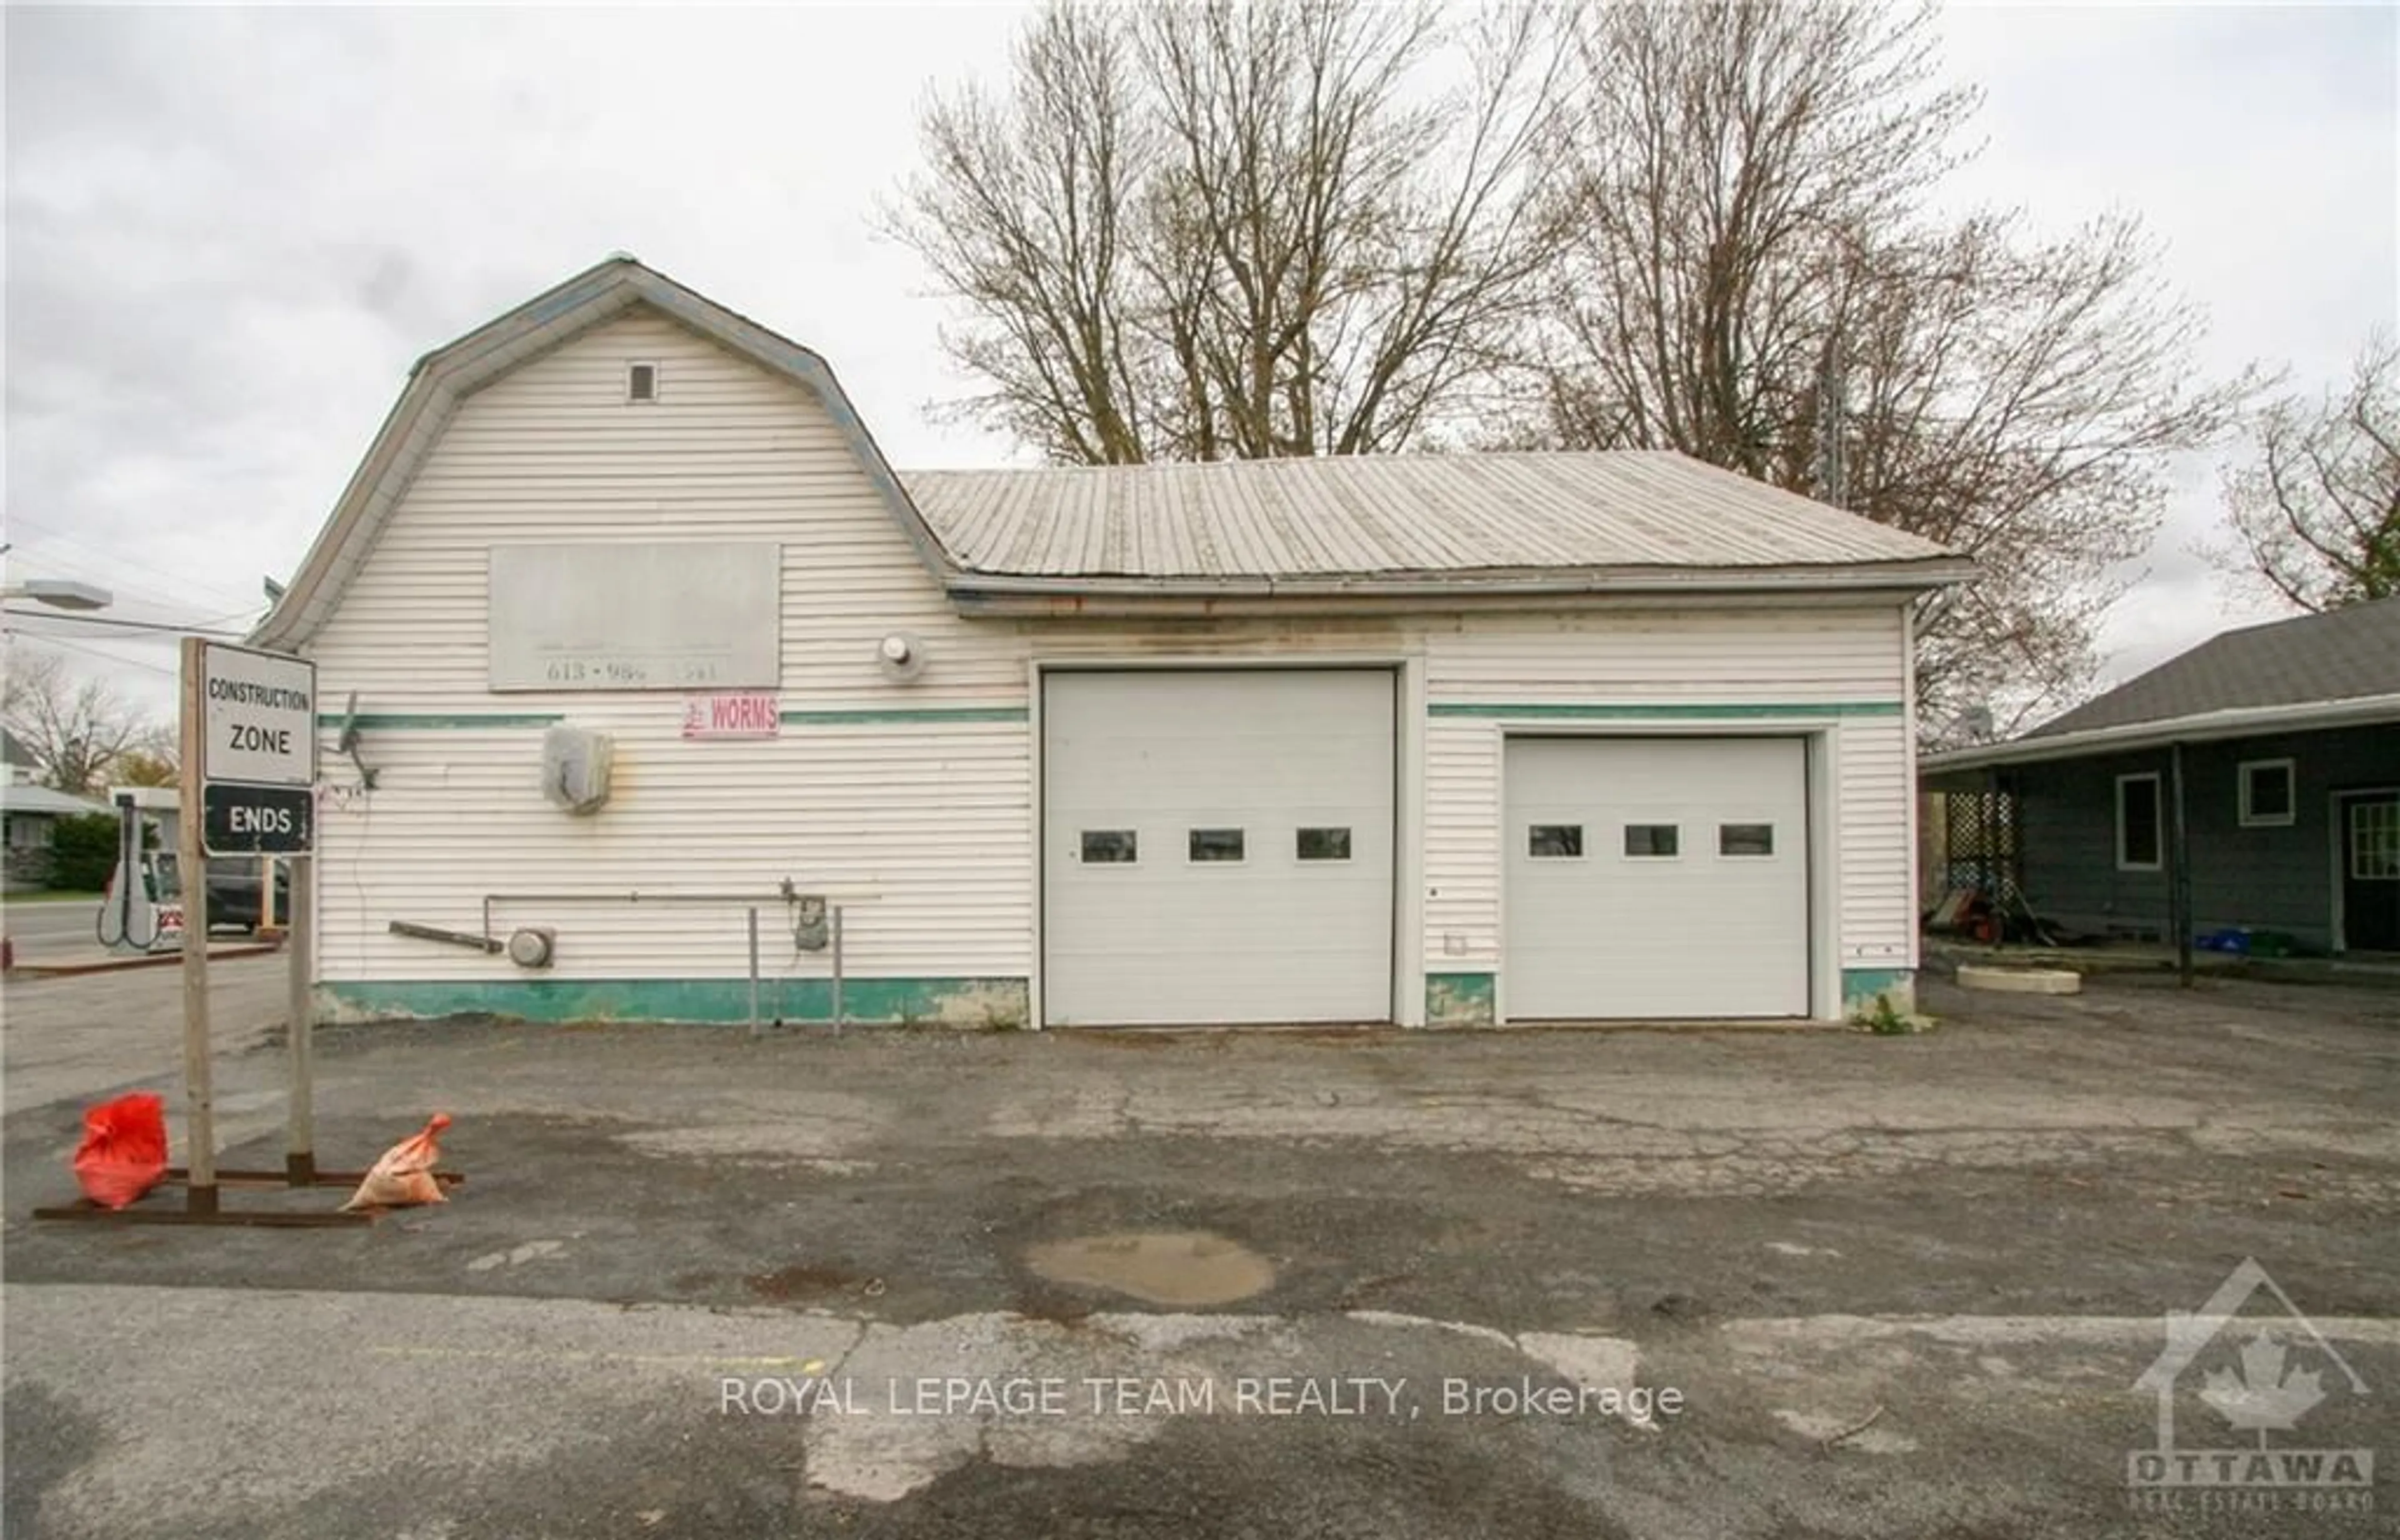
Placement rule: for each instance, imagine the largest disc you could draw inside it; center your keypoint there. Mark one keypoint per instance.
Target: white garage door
(1656, 877)
(1217, 847)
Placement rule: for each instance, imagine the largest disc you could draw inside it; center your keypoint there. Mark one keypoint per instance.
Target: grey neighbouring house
(2263, 766)
(28, 815)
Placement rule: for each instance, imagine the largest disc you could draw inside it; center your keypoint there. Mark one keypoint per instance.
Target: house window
(1214, 845)
(2375, 842)
(2266, 793)
(1652, 840)
(1109, 846)
(641, 382)
(1554, 841)
(2137, 822)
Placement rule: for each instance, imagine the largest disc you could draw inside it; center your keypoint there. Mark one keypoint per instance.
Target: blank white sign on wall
(665, 615)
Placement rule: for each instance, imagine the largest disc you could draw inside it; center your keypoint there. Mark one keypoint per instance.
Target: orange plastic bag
(124, 1149)
(404, 1175)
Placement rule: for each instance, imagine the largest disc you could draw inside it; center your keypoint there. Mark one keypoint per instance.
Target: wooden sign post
(192, 874)
(300, 939)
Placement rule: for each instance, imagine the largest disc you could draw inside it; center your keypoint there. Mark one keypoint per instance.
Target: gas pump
(143, 908)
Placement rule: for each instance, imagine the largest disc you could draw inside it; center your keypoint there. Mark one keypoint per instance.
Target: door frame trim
(1406, 1006)
(1820, 788)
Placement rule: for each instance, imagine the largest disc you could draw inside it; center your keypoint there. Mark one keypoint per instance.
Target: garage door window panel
(1746, 841)
(1652, 841)
(1555, 841)
(1207, 847)
(1322, 844)
(1111, 848)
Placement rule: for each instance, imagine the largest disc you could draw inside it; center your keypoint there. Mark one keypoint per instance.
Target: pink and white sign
(734, 713)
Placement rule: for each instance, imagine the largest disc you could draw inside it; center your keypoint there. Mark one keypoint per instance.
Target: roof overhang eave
(2198, 728)
(993, 593)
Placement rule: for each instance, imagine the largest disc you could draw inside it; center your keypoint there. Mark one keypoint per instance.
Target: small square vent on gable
(641, 382)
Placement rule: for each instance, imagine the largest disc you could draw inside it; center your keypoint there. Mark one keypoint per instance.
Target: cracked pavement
(1901, 1286)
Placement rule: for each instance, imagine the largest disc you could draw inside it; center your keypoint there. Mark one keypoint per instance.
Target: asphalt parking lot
(1167, 1285)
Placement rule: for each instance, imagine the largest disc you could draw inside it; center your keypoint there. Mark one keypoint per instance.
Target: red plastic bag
(404, 1175)
(124, 1149)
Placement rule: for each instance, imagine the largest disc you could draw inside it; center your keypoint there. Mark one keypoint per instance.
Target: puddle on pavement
(804, 1280)
(1184, 1267)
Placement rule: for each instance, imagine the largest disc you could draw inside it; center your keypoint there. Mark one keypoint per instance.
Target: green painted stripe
(1676, 711)
(950, 1002)
(389, 719)
(869, 715)
(862, 716)
(1679, 711)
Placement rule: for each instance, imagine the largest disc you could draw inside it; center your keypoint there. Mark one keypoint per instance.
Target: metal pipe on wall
(754, 970)
(632, 895)
(2179, 884)
(834, 915)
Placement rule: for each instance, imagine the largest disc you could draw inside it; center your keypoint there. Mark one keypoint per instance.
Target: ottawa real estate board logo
(2259, 1374)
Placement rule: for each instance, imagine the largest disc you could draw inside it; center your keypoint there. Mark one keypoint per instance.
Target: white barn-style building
(1425, 740)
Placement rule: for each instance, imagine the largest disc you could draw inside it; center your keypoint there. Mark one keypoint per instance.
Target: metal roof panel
(1370, 516)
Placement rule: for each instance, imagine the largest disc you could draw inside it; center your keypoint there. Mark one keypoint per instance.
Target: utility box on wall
(574, 763)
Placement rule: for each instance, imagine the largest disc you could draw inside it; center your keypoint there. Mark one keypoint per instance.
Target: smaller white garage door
(1656, 877)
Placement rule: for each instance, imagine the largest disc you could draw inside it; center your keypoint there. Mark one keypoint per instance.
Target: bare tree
(1240, 230)
(2316, 510)
(1760, 280)
(79, 730)
(157, 765)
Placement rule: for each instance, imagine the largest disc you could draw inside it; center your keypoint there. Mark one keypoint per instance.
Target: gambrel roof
(443, 377)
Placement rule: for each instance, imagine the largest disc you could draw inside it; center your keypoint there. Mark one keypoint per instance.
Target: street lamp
(60, 593)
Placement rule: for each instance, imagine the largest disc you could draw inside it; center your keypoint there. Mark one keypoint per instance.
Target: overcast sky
(229, 233)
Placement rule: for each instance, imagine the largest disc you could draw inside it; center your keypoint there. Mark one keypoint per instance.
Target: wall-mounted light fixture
(901, 656)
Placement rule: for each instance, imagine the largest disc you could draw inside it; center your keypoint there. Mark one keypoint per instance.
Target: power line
(116, 558)
(103, 657)
(231, 614)
(115, 582)
(160, 627)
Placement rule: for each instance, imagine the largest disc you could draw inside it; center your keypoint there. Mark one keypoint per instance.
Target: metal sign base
(201, 1205)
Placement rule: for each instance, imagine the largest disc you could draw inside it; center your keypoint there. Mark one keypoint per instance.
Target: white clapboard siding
(1462, 845)
(1878, 821)
(1753, 659)
(923, 825)
(1776, 656)
(921, 833)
